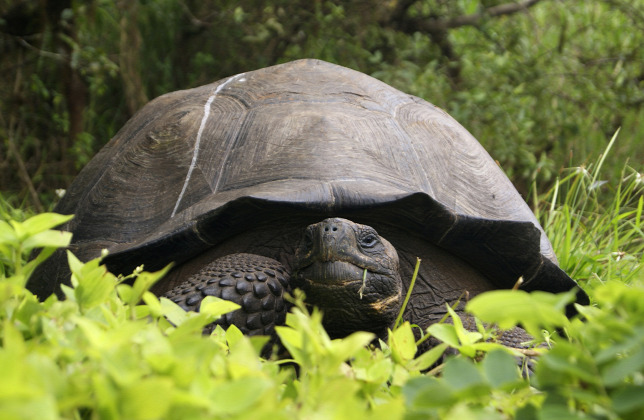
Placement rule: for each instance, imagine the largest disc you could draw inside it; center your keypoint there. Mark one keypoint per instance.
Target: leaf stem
(411, 287)
(364, 283)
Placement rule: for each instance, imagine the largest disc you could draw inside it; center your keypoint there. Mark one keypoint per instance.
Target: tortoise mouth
(337, 273)
(336, 283)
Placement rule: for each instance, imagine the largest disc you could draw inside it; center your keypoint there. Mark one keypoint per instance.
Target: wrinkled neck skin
(352, 274)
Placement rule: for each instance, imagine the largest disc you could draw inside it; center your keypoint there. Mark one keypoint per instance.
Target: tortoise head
(351, 273)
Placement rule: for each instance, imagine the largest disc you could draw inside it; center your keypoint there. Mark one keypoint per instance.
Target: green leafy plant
(19, 239)
(598, 369)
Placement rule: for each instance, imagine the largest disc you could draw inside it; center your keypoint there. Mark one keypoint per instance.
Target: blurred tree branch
(437, 24)
(438, 27)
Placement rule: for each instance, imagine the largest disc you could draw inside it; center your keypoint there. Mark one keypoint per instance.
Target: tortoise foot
(254, 282)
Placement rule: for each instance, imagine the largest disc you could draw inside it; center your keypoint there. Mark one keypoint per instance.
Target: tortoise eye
(369, 240)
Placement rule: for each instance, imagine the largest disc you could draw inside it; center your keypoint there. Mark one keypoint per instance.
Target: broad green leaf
(566, 360)
(175, 313)
(144, 280)
(92, 283)
(258, 342)
(291, 339)
(106, 396)
(444, 332)
(147, 399)
(426, 392)
(18, 229)
(534, 311)
(527, 412)
(403, 343)
(194, 323)
(379, 371)
(6, 256)
(40, 405)
(239, 395)
(141, 311)
(94, 334)
(94, 288)
(628, 399)
(126, 293)
(500, 369)
(43, 222)
(29, 308)
(75, 265)
(217, 307)
(243, 359)
(12, 340)
(625, 366)
(465, 338)
(460, 331)
(345, 348)
(631, 340)
(588, 312)
(68, 292)
(400, 375)
(233, 335)
(559, 412)
(48, 238)
(153, 303)
(428, 358)
(463, 376)
(468, 350)
(7, 234)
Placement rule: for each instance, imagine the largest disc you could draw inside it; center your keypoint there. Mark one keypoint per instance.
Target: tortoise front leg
(254, 282)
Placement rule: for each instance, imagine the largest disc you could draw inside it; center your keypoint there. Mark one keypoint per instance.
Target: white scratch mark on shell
(206, 114)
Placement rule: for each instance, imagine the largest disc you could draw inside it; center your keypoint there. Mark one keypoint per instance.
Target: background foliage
(542, 84)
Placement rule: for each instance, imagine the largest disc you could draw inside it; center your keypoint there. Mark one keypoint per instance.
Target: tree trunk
(74, 87)
(130, 44)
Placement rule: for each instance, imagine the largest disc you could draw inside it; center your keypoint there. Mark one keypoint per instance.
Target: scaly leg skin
(254, 282)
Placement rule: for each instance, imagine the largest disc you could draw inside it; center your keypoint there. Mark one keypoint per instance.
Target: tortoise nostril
(330, 226)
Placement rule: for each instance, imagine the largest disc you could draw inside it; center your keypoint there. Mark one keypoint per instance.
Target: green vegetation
(113, 350)
(595, 224)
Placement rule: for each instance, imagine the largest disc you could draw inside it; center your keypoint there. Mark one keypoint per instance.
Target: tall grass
(595, 224)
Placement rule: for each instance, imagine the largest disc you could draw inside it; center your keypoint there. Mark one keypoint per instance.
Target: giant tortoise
(305, 175)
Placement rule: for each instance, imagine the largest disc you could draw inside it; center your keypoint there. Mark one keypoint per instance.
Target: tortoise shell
(248, 161)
